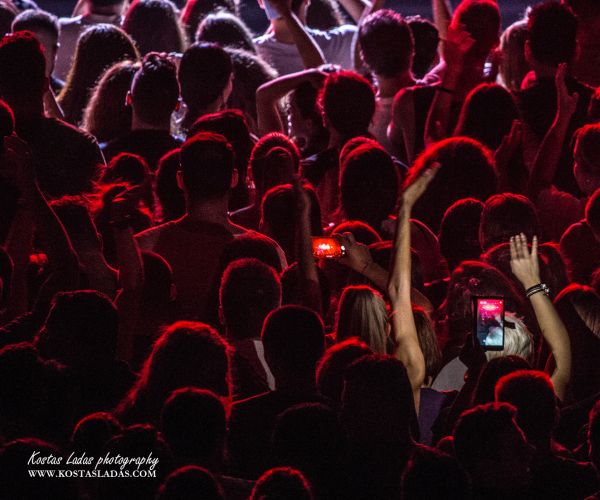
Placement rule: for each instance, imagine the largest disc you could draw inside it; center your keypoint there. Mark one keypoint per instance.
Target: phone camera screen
(490, 323)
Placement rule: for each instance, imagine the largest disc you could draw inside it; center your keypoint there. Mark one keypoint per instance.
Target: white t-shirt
(381, 120)
(336, 45)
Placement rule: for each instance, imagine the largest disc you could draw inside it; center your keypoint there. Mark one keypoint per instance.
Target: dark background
(511, 9)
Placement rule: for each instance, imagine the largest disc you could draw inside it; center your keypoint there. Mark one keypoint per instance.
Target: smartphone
(327, 248)
(489, 322)
(271, 11)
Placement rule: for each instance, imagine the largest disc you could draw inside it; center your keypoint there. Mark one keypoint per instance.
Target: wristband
(540, 287)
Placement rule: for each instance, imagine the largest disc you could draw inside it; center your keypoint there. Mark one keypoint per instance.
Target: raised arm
(269, 95)
(404, 330)
(307, 267)
(131, 269)
(357, 8)
(546, 160)
(442, 14)
(525, 266)
(455, 47)
(310, 52)
(62, 259)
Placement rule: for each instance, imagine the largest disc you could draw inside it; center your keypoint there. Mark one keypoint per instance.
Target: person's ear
(180, 184)
(235, 177)
(128, 99)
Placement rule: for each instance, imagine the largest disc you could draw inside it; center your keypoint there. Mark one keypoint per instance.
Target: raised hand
(357, 256)
(523, 263)
(566, 103)
(456, 45)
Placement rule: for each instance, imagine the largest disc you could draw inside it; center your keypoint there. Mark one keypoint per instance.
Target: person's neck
(214, 211)
(389, 87)
(281, 31)
(138, 124)
(192, 114)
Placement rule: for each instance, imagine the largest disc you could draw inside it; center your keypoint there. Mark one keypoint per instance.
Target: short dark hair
(154, 88)
(23, 66)
(293, 338)
(427, 39)
(479, 430)
(333, 364)
(207, 163)
(505, 215)
(250, 290)
(467, 170)
(386, 43)
(377, 400)
(481, 19)
(552, 33)
(348, 102)
(267, 155)
(282, 482)
(231, 124)
(451, 480)
(531, 392)
(459, 232)
(35, 20)
(204, 71)
(369, 185)
(190, 480)
(81, 327)
(592, 211)
(193, 422)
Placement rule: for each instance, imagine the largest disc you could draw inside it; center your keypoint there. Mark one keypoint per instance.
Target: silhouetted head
(531, 392)
(294, 342)
(506, 215)
(154, 25)
(386, 43)
(347, 102)
(282, 482)
(249, 291)
(190, 483)
(193, 422)
(377, 401)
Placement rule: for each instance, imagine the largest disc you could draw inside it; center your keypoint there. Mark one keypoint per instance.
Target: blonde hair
(517, 341)
(362, 313)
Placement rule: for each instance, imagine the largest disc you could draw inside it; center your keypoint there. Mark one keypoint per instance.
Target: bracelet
(541, 287)
(445, 89)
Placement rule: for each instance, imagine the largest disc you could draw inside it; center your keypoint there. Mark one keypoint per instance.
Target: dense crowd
(249, 244)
